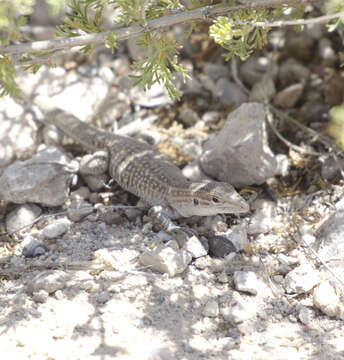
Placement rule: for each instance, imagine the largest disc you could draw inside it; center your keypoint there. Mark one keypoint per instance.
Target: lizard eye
(196, 202)
(215, 200)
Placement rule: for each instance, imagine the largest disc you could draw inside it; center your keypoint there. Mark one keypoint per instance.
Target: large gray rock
(44, 179)
(240, 154)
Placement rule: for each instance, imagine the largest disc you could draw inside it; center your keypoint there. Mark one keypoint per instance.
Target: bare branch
(317, 20)
(124, 33)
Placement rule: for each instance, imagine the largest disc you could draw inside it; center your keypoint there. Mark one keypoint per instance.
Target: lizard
(142, 170)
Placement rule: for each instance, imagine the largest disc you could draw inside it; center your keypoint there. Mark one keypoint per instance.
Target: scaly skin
(145, 172)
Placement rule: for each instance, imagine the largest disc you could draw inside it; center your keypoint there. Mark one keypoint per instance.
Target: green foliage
(139, 11)
(12, 17)
(158, 65)
(111, 42)
(238, 33)
(131, 11)
(36, 66)
(79, 20)
(8, 86)
(236, 37)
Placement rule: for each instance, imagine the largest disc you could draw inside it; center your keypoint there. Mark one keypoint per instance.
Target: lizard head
(209, 198)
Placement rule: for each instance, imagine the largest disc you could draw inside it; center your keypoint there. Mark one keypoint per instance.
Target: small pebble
(246, 281)
(33, 247)
(56, 229)
(211, 309)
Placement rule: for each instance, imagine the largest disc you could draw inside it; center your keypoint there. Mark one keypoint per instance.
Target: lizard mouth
(238, 204)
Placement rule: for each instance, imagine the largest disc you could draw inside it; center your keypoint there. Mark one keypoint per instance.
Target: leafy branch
(239, 29)
(240, 40)
(156, 67)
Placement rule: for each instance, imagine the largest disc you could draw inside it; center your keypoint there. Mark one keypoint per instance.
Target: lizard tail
(85, 134)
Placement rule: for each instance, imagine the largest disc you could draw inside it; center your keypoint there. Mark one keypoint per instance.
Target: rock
(330, 167)
(326, 300)
(155, 96)
(21, 217)
(211, 309)
(82, 193)
(103, 297)
(220, 246)
(79, 209)
(292, 72)
(302, 279)
(121, 65)
(166, 260)
(246, 281)
(232, 240)
(188, 116)
(255, 67)
(105, 258)
(211, 117)
(49, 281)
(106, 74)
(94, 164)
(264, 217)
(305, 315)
(223, 278)
(40, 296)
(56, 229)
(44, 179)
(112, 109)
(215, 71)
(237, 310)
(228, 93)
(208, 83)
(33, 247)
(192, 86)
(194, 172)
(263, 90)
(96, 182)
(282, 164)
(237, 156)
(286, 264)
(326, 52)
(111, 216)
(289, 96)
(194, 246)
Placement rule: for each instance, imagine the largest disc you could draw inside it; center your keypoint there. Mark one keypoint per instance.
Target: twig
(124, 33)
(335, 151)
(283, 139)
(317, 20)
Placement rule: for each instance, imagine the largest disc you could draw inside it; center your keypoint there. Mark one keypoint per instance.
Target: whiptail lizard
(145, 172)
